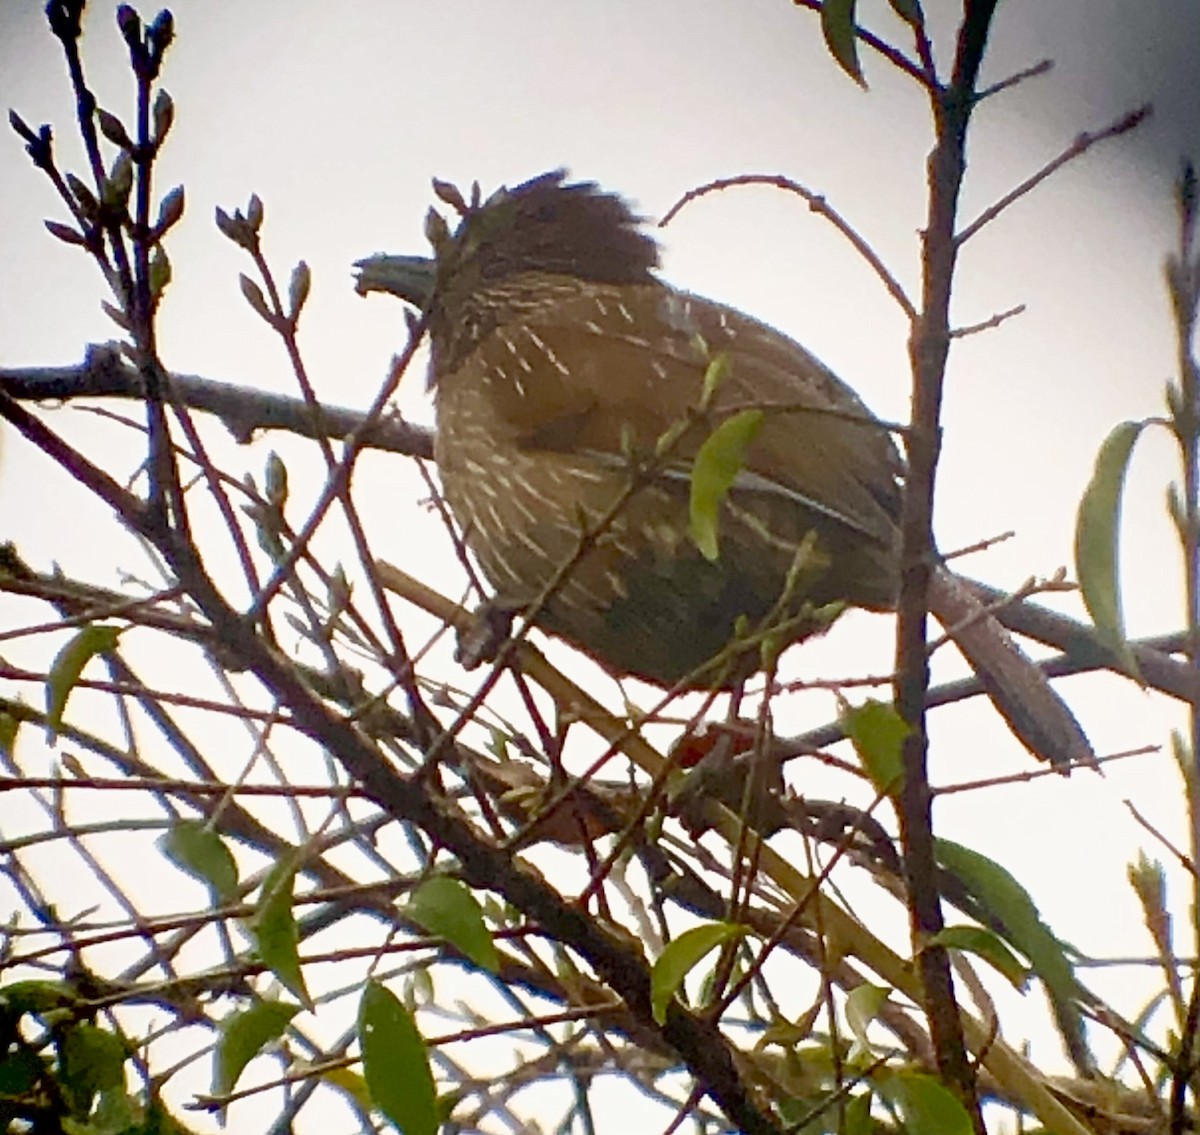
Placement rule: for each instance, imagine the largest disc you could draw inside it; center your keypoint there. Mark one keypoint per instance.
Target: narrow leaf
(714, 374)
(987, 945)
(837, 26)
(396, 1062)
(681, 956)
(717, 464)
(242, 1036)
(275, 931)
(877, 732)
(68, 664)
(909, 11)
(1006, 906)
(195, 848)
(1097, 540)
(447, 909)
(8, 733)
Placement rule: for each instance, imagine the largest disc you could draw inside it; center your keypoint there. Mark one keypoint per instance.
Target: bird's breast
(610, 545)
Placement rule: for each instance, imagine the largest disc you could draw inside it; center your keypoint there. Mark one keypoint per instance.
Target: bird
(577, 396)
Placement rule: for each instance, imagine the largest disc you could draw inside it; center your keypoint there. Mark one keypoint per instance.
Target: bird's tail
(1018, 689)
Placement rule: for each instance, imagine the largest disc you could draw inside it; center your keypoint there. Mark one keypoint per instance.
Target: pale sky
(338, 116)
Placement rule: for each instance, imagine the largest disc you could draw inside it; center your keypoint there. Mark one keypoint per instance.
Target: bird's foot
(480, 642)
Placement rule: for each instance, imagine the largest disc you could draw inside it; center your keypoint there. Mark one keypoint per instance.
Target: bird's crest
(545, 225)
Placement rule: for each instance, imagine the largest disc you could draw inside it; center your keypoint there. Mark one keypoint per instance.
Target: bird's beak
(411, 278)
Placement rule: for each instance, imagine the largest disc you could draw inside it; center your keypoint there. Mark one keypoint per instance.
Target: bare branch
(987, 324)
(241, 409)
(1080, 146)
(818, 204)
(1044, 67)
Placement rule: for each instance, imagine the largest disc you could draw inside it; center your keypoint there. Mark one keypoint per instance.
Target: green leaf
(8, 733)
(788, 1034)
(863, 1004)
(396, 1062)
(1007, 908)
(447, 909)
(68, 664)
(242, 1036)
(275, 931)
(837, 26)
(987, 945)
(90, 1061)
(195, 848)
(926, 1105)
(877, 732)
(717, 464)
(909, 11)
(160, 273)
(715, 373)
(37, 997)
(117, 1113)
(351, 1083)
(681, 956)
(1181, 750)
(1097, 540)
(858, 1115)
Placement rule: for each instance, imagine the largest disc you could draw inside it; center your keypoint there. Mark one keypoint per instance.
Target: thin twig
(1044, 67)
(987, 324)
(243, 410)
(1080, 146)
(1181, 857)
(1038, 773)
(818, 205)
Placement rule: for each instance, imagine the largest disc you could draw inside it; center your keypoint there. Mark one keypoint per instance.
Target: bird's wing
(624, 373)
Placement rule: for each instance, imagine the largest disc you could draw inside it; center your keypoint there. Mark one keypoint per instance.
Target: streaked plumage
(559, 361)
(524, 462)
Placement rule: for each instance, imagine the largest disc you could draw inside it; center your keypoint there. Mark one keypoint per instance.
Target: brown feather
(559, 361)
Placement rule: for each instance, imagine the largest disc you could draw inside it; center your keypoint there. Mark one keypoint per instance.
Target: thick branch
(242, 409)
(929, 346)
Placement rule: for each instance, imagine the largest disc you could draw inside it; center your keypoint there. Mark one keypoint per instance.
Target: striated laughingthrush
(570, 389)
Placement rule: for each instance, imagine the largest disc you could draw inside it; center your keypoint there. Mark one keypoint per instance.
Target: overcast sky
(339, 115)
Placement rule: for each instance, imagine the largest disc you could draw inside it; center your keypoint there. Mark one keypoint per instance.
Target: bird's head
(546, 227)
